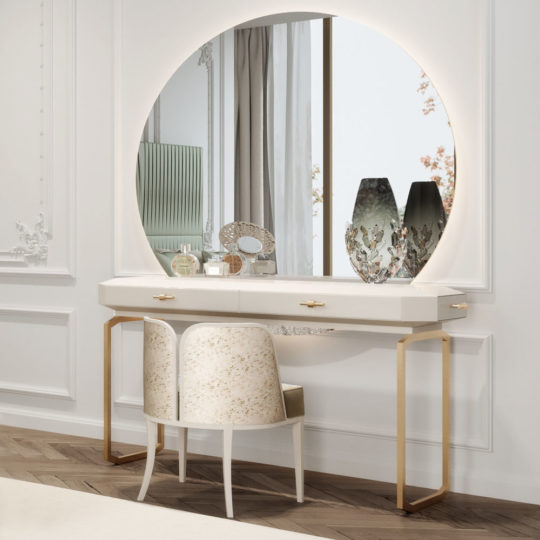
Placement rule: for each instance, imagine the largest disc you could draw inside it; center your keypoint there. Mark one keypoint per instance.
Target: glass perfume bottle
(185, 263)
(216, 267)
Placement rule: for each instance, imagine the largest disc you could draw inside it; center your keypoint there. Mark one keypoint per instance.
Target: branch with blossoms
(316, 191)
(432, 99)
(442, 164)
(442, 169)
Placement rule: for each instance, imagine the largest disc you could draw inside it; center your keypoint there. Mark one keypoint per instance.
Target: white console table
(417, 312)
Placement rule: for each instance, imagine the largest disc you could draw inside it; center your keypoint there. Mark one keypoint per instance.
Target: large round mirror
(275, 123)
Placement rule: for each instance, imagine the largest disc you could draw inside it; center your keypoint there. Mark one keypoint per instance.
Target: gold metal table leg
(109, 456)
(401, 419)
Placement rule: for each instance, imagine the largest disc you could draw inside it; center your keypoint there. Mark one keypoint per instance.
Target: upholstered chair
(226, 377)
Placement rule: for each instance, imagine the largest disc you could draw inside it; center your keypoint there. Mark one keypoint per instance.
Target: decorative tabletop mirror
(261, 127)
(249, 244)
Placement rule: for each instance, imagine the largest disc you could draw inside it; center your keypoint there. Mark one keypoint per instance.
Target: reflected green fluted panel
(170, 195)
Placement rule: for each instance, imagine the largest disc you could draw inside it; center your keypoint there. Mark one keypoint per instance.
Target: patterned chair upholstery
(226, 377)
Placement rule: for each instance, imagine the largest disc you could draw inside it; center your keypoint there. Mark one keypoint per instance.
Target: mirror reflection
(231, 156)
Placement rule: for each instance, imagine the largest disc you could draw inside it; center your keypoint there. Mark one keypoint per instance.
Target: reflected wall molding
(29, 255)
(207, 59)
(39, 315)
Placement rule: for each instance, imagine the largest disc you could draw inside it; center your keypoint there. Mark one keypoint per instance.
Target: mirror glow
(388, 121)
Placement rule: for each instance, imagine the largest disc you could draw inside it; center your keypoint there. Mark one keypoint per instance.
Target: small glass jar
(264, 266)
(185, 263)
(236, 262)
(216, 266)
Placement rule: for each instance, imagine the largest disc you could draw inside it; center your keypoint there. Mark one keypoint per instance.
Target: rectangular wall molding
(45, 317)
(56, 124)
(478, 438)
(485, 285)
(479, 442)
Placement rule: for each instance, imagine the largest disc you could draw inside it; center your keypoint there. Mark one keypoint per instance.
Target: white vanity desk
(416, 311)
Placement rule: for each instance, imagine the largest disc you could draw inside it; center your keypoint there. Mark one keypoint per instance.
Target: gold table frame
(402, 346)
(107, 397)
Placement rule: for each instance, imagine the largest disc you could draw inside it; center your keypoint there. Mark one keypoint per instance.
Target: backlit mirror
(237, 135)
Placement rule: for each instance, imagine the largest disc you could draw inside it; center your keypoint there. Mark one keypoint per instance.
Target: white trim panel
(41, 316)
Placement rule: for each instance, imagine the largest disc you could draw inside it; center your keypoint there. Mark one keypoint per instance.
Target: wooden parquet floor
(335, 506)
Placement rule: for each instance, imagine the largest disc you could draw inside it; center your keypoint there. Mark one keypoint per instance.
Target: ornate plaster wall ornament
(34, 242)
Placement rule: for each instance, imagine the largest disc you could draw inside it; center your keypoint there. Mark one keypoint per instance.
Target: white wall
(106, 78)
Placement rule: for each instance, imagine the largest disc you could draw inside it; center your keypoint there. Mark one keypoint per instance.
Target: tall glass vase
(375, 240)
(424, 220)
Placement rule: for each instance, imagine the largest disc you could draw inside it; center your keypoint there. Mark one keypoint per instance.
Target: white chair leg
(298, 444)
(151, 432)
(182, 453)
(227, 482)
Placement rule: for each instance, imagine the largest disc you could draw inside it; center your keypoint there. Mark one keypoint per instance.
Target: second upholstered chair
(226, 378)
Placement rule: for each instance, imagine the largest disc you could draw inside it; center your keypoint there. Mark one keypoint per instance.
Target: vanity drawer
(162, 299)
(452, 307)
(360, 307)
(319, 306)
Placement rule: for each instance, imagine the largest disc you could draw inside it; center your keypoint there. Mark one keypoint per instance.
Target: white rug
(31, 511)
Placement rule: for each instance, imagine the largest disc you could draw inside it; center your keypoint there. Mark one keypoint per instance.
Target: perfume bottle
(216, 267)
(185, 263)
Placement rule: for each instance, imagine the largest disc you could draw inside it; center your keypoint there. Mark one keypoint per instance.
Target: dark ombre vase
(424, 220)
(375, 242)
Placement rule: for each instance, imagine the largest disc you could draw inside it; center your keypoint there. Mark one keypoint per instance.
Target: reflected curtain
(273, 167)
(252, 189)
(290, 163)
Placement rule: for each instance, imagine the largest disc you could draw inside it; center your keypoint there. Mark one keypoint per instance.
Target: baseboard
(276, 449)
(51, 422)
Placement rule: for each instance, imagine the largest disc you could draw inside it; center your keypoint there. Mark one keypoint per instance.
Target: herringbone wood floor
(335, 506)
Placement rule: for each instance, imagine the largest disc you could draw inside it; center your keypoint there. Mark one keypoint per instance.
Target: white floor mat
(31, 511)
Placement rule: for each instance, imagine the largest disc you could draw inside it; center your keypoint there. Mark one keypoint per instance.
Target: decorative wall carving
(33, 248)
(207, 59)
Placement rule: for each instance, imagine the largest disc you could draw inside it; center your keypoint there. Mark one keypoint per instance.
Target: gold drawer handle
(463, 305)
(164, 296)
(312, 304)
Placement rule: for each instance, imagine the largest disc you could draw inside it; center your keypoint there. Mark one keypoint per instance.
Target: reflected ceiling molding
(282, 18)
(207, 59)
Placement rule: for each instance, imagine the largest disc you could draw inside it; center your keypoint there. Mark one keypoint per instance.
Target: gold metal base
(109, 456)
(403, 343)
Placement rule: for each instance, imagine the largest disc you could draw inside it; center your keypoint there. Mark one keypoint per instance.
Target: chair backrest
(160, 370)
(229, 375)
